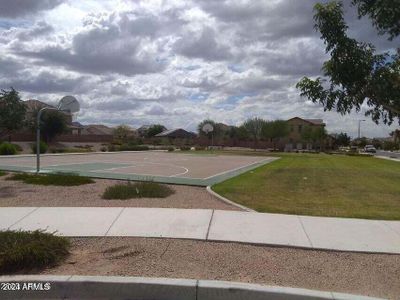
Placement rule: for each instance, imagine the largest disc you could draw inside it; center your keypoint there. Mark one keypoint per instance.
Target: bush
(18, 147)
(171, 149)
(390, 146)
(103, 149)
(199, 148)
(7, 149)
(112, 148)
(184, 148)
(129, 147)
(2, 173)
(43, 147)
(137, 190)
(70, 150)
(57, 179)
(27, 250)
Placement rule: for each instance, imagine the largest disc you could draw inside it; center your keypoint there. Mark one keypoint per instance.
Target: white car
(369, 149)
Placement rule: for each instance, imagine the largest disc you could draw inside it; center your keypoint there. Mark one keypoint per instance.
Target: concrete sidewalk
(211, 225)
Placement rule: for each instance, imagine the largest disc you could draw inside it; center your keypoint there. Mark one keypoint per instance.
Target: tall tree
(274, 130)
(53, 123)
(254, 127)
(342, 139)
(121, 133)
(215, 133)
(355, 74)
(155, 129)
(12, 112)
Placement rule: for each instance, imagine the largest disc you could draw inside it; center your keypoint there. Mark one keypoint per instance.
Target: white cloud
(174, 62)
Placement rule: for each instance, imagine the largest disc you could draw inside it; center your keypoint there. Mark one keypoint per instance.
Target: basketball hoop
(67, 104)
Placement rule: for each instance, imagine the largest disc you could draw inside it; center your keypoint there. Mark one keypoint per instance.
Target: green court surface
(157, 166)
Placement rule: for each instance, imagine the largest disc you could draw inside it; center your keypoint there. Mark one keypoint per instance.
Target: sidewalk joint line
(113, 222)
(28, 214)
(305, 232)
(209, 224)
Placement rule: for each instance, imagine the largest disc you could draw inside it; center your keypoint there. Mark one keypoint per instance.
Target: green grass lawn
(319, 185)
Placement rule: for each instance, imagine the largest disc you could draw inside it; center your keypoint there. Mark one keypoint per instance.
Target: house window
(300, 127)
(291, 128)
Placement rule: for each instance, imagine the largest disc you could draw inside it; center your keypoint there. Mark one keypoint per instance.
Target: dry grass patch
(137, 190)
(28, 250)
(57, 179)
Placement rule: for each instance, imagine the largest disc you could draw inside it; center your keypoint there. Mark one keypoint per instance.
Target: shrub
(199, 148)
(70, 150)
(43, 147)
(27, 250)
(58, 179)
(185, 148)
(130, 147)
(112, 148)
(103, 149)
(7, 149)
(2, 173)
(137, 190)
(18, 147)
(171, 149)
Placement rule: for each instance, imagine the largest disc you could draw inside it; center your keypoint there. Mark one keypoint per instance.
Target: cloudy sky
(172, 62)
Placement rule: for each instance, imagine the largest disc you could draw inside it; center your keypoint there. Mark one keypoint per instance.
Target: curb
(135, 288)
(209, 190)
(388, 158)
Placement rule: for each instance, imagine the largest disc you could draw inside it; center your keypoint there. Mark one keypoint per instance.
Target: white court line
(143, 164)
(238, 168)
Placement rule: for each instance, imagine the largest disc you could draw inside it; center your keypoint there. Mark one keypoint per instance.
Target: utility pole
(359, 128)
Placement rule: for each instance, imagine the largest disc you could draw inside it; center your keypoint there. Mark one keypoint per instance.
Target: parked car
(369, 149)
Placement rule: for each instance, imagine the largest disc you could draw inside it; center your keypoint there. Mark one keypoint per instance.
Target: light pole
(359, 128)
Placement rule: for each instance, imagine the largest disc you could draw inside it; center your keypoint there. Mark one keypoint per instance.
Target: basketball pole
(39, 115)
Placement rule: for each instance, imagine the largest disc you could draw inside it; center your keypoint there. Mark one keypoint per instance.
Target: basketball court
(158, 166)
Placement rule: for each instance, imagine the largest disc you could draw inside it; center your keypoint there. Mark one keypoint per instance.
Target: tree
(395, 135)
(53, 123)
(274, 130)
(122, 132)
(155, 129)
(215, 133)
(314, 135)
(342, 139)
(385, 15)
(239, 133)
(355, 74)
(254, 127)
(12, 112)
(319, 135)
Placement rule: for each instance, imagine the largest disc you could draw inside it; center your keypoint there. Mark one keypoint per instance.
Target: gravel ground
(364, 274)
(16, 193)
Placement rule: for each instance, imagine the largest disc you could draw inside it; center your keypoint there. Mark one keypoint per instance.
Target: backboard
(69, 104)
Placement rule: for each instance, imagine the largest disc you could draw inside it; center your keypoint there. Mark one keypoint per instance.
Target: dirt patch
(16, 193)
(364, 274)
(7, 192)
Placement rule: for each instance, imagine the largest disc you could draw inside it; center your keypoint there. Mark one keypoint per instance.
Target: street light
(67, 104)
(359, 127)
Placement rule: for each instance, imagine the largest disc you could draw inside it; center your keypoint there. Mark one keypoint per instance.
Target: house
(76, 128)
(97, 129)
(298, 128)
(176, 134)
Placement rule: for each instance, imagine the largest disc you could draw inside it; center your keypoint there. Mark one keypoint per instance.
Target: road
(388, 154)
